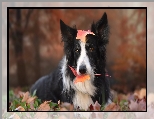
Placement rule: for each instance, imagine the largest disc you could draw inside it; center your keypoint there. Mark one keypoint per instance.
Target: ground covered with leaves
(23, 101)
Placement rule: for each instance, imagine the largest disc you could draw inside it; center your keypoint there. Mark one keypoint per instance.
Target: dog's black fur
(51, 87)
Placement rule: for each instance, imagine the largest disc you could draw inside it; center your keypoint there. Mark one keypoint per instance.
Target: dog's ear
(101, 29)
(68, 36)
(68, 33)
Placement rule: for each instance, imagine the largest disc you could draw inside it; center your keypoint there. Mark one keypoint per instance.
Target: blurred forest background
(35, 46)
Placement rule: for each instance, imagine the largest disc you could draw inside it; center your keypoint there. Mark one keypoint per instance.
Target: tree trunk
(36, 43)
(36, 57)
(18, 46)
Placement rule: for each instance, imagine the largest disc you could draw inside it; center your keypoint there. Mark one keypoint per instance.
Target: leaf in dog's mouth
(80, 78)
(73, 70)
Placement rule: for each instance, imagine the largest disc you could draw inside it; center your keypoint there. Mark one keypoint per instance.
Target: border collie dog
(85, 53)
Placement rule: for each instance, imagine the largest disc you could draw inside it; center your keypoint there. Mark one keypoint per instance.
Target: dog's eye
(77, 50)
(91, 49)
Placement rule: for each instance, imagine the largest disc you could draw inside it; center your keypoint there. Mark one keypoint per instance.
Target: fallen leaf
(66, 107)
(121, 97)
(142, 93)
(44, 106)
(133, 106)
(131, 96)
(30, 101)
(97, 106)
(17, 92)
(142, 105)
(25, 97)
(112, 107)
(91, 107)
(63, 109)
(20, 108)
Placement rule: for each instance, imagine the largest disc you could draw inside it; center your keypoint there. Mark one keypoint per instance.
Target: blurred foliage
(130, 66)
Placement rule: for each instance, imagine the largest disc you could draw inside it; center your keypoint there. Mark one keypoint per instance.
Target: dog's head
(85, 50)
(83, 55)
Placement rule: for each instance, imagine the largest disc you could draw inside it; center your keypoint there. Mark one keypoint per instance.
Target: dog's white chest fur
(83, 93)
(82, 100)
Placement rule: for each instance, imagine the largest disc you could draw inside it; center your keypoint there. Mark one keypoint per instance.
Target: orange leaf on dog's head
(82, 35)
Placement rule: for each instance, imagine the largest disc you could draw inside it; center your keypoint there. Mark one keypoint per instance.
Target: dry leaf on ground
(44, 106)
(97, 106)
(66, 107)
(25, 96)
(137, 106)
(20, 108)
(112, 107)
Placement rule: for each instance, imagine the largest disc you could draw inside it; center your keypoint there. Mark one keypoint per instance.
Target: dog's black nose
(82, 69)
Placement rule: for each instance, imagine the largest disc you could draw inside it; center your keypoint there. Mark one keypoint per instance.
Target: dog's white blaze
(82, 100)
(83, 59)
